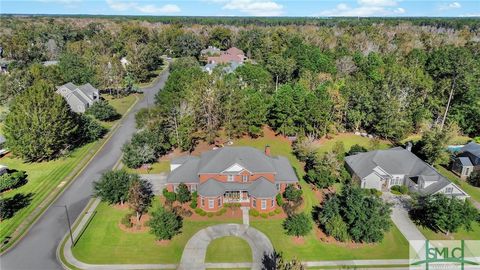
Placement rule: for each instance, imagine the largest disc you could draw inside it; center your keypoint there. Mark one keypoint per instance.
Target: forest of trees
(389, 77)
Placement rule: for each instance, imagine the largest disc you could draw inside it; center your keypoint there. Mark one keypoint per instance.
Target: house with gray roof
(242, 175)
(467, 160)
(79, 98)
(382, 169)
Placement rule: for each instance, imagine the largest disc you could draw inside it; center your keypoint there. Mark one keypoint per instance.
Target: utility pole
(68, 221)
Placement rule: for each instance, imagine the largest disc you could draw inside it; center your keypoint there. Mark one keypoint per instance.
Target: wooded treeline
(387, 77)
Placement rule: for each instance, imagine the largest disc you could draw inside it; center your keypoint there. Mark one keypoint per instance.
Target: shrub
(474, 179)
(210, 214)
(253, 212)
(169, 196)
(89, 129)
(102, 111)
(165, 224)
(337, 228)
(12, 180)
(183, 194)
(223, 210)
(194, 198)
(127, 220)
(113, 186)
(399, 189)
(298, 225)
(279, 199)
(373, 191)
(277, 211)
(292, 193)
(200, 211)
(355, 149)
(264, 215)
(193, 204)
(271, 213)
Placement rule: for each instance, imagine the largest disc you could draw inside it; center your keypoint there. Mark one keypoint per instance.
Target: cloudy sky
(325, 8)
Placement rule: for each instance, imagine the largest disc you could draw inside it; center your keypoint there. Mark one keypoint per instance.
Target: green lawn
(474, 192)
(104, 242)
(43, 178)
(228, 249)
(121, 105)
(462, 234)
(394, 245)
(162, 166)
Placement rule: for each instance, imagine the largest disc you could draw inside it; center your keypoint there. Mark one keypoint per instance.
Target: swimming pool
(454, 148)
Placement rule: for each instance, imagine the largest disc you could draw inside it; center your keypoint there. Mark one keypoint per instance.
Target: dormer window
(245, 178)
(230, 178)
(449, 190)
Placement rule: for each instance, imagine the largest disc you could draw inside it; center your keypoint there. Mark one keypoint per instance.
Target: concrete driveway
(193, 257)
(158, 181)
(401, 218)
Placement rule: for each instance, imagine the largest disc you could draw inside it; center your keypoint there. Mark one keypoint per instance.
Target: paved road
(37, 249)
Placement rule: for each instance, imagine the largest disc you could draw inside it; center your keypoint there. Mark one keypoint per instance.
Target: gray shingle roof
(262, 188)
(472, 147)
(285, 172)
(397, 161)
(182, 159)
(465, 161)
(254, 160)
(187, 173)
(211, 188)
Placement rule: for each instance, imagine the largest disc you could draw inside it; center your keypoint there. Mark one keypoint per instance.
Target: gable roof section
(262, 188)
(186, 173)
(284, 169)
(465, 161)
(253, 160)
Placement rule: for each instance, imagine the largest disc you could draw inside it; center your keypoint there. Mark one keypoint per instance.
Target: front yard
(103, 242)
(228, 249)
(462, 234)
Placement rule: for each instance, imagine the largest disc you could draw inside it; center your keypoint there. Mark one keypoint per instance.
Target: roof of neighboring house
(78, 95)
(397, 161)
(210, 49)
(260, 188)
(465, 161)
(219, 160)
(235, 51)
(472, 147)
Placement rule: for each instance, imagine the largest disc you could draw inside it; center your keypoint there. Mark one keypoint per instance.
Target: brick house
(242, 175)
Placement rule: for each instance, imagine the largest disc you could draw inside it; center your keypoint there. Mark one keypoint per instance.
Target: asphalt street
(37, 249)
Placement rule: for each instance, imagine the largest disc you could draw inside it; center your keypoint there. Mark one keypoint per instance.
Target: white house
(79, 98)
(382, 169)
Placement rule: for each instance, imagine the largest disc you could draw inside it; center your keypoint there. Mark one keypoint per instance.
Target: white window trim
(230, 178)
(219, 200)
(448, 190)
(245, 178)
(264, 204)
(211, 203)
(193, 188)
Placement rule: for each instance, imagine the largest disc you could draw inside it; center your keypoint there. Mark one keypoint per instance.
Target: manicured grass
(474, 192)
(103, 242)
(121, 105)
(349, 140)
(162, 166)
(43, 178)
(462, 234)
(228, 249)
(457, 140)
(393, 246)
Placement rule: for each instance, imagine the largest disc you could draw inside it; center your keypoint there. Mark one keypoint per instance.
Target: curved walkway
(193, 256)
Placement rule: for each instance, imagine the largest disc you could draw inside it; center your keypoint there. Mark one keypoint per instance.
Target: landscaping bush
(292, 193)
(12, 180)
(277, 211)
(253, 212)
(193, 204)
(170, 197)
(127, 221)
(165, 224)
(103, 111)
(298, 224)
(183, 194)
(209, 214)
(264, 215)
(271, 213)
(474, 179)
(372, 191)
(179, 210)
(399, 189)
(355, 149)
(232, 205)
(279, 199)
(223, 210)
(200, 211)
(337, 228)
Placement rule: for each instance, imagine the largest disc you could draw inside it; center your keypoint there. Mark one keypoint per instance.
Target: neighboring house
(79, 98)
(231, 55)
(227, 68)
(210, 51)
(242, 175)
(3, 150)
(382, 169)
(3, 169)
(467, 160)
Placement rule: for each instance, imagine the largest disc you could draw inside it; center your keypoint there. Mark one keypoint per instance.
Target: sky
(313, 8)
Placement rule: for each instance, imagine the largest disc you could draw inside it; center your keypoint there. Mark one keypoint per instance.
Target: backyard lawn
(43, 178)
(103, 242)
(462, 234)
(393, 246)
(228, 249)
(474, 192)
(162, 166)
